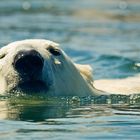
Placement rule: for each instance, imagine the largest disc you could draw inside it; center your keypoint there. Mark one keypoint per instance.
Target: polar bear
(40, 66)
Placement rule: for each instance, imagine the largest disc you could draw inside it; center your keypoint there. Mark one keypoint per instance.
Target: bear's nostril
(28, 62)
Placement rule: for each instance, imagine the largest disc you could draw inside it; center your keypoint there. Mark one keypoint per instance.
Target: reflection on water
(104, 34)
(65, 118)
(41, 108)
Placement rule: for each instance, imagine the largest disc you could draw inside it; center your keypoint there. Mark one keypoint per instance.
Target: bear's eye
(54, 51)
(2, 55)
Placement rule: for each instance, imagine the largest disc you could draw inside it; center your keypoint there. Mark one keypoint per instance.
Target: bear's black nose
(28, 62)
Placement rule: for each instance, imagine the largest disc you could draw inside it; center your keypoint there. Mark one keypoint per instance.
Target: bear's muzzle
(28, 63)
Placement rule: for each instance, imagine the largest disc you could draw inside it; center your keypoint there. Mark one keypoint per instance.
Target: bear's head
(39, 66)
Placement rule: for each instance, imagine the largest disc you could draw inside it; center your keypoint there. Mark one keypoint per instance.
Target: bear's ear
(86, 72)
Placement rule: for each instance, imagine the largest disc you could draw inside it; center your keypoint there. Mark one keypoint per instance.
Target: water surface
(104, 34)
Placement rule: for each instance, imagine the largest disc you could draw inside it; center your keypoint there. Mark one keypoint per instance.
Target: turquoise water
(104, 34)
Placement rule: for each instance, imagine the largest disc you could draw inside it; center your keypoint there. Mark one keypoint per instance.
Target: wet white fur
(64, 77)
